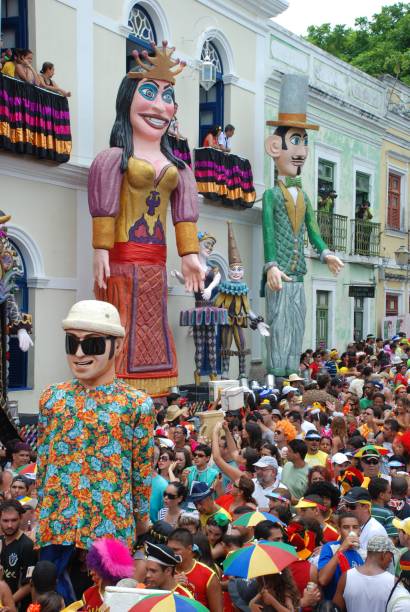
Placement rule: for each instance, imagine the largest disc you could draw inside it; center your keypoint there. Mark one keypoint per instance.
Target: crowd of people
(18, 63)
(321, 463)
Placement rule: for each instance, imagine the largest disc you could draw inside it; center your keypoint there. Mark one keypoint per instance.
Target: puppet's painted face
(206, 247)
(290, 161)
(152, 109)
(236, 272)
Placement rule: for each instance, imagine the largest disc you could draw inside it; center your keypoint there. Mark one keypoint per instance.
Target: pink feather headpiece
(111, 560)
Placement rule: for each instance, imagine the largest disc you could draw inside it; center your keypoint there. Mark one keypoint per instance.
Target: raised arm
(233, 473)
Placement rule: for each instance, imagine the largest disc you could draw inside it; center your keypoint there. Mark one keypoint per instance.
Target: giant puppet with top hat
(287, 213)
(233, 296)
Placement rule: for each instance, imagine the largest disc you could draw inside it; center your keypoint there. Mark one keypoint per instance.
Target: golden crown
(158, 66)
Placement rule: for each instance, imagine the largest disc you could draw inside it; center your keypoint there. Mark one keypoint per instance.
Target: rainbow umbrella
(171, 602)
(250, 519)
(259, 559)
(371, 447)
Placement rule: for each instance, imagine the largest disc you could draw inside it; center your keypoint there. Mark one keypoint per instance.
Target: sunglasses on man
(91, 345)
(371, 461)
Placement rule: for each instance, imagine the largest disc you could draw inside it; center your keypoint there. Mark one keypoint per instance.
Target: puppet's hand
(274, 278)
(263, 329)
(334, 263)
(24, 340)
(192, 272)
(101, 267)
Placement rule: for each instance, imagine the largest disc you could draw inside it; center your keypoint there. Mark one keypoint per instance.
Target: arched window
(18, 360)
(211, 102)
(143, 33)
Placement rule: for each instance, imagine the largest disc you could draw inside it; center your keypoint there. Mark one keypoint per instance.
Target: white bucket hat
(95, 316)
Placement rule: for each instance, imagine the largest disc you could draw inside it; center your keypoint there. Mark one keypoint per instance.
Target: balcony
(224, 177)
(365, 238)
(364, 235)
(34, 121)
(333, 229)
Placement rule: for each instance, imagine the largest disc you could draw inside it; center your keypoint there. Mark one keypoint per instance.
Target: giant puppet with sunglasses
(129, 188)
(95, 445)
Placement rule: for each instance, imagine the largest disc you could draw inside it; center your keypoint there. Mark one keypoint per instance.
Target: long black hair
(121, 133)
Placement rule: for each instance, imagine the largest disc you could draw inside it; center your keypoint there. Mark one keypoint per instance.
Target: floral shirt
(95, 452)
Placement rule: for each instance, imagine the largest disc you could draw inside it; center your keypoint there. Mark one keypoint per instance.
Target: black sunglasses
(170, 495)
(92, 345)
(371, 461)
(164, 458)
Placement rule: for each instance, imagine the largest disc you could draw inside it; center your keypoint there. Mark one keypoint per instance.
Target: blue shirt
(327, 552)
(159, 484)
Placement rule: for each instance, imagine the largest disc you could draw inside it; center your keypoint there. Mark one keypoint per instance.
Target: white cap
(340, 458)
(266, 462)
(95, 316)
(288, 389)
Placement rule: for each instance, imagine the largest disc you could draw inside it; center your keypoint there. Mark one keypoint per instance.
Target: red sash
(133, 252)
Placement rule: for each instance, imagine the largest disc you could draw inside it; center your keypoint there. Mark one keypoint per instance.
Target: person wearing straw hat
(233, 296)
(287, 212)
(95, 445)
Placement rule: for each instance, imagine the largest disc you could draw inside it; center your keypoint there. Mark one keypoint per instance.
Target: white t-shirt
(370, 529)
(224, 140)
(363, 593)
(400, 600)
(259, 493)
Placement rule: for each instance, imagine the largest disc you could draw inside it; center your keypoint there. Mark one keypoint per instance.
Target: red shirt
(198, 580)
(92, 599)
(314, 369)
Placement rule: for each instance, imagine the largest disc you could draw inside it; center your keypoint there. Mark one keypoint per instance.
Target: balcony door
(211, 102)
(14, 28)
(322, 319)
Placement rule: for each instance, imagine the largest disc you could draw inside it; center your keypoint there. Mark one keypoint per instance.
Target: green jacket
(284, 226)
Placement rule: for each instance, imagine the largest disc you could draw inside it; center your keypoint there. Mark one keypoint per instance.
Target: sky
(302, 13)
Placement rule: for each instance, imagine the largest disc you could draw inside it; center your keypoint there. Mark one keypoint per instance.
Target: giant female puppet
(130, 186)
(287, 212)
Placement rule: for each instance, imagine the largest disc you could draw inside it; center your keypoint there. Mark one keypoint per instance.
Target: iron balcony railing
(333, 229)
(365, 238)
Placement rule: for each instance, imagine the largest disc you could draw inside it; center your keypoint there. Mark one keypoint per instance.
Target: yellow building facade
(393, 287)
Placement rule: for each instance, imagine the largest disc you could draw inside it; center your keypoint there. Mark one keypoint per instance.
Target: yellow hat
(402, 525)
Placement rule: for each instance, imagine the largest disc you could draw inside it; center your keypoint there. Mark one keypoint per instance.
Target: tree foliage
(377, 46)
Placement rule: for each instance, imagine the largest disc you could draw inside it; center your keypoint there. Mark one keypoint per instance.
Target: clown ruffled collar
(233, 288)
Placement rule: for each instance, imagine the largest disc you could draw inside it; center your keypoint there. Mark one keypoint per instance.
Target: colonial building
(393, 296)
(91, 42)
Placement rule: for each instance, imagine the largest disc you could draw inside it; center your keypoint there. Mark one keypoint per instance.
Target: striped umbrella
(171, 602)
(250, 519)
(259, 559)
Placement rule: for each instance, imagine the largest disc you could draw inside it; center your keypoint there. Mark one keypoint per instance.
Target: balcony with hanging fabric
(34, 121)
(224, 177)
(365, 238)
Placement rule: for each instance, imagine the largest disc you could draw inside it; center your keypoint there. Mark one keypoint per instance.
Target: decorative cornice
(70, 175)
(248, 216)
(265, 9)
